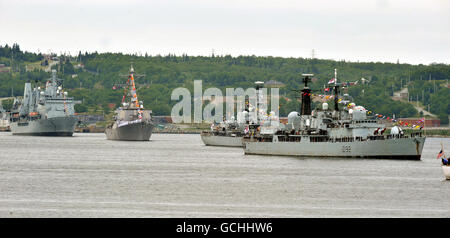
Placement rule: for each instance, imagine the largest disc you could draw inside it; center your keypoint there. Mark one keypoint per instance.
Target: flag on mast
(441, 154)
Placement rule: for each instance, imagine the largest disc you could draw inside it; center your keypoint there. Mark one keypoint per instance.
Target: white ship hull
(399, 148)
(446, 170)
(214, 140)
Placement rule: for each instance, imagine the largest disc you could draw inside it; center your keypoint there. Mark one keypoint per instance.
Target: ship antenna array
(306, 79)
(335, 77)
(130, 85)
(336, 92)
(132, 72)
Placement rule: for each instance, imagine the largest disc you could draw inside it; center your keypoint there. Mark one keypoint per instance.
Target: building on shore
(4, 69)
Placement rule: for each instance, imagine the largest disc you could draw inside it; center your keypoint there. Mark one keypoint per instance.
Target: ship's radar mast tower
(130, 89)
(336, 91)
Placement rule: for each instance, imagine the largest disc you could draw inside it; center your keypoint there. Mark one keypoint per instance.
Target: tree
(79, 108)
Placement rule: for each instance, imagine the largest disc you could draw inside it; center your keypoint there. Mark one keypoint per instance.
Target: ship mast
(134, 98)
(130, 89)
(336, 92)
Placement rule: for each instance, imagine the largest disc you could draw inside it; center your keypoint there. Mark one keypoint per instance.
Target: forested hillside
(90, 77)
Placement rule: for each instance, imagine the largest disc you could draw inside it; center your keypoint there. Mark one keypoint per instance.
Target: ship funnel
(306, 96)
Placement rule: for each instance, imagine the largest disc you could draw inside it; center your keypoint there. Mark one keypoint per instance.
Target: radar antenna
(130, 87)
(336, 91)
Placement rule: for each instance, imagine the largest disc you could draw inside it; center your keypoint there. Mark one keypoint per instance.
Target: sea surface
(177, 176)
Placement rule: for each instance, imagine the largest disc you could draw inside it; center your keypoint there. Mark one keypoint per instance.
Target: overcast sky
(357, 30)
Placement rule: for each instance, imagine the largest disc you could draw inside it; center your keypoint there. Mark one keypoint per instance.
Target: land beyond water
(90, 77)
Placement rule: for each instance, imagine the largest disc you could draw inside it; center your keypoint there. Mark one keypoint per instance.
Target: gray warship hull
(398, 148)
(216, 140)
(132, 132)
(57, 126)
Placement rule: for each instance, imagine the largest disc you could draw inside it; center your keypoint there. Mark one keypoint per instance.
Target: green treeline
(90, 77)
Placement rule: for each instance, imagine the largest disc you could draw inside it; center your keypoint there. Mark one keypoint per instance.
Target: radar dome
(359, 113)
(359, 108)
(395, 130)
(292, 117)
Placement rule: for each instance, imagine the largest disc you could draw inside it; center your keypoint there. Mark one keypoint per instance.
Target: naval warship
(230, 132)
(131, 121)
(226, 133)
(44, 112)
(337, 132)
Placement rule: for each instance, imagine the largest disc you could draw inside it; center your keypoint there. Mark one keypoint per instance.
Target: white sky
(365, 30)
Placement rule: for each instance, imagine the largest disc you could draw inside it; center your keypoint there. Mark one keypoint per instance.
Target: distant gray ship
(225, 134)
(230, 132)
(47, 112)
(131, 122)
(4, 119)
(346, 132)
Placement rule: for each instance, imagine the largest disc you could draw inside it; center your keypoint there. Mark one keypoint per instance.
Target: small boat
(445, 163)
(446, 170)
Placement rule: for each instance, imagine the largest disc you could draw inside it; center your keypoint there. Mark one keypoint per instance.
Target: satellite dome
(292, 117)
(395, 130)
(359, 108)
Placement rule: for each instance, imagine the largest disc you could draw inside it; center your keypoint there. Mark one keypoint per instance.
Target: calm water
(177, 176)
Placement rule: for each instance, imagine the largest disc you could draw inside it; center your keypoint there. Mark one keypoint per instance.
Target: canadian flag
(333, 80)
